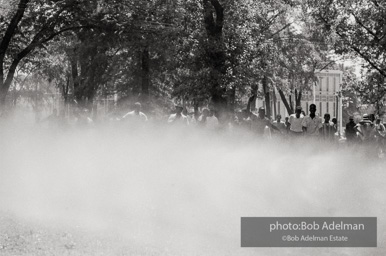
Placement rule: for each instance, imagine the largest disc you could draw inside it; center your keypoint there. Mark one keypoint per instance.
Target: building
(324, 95)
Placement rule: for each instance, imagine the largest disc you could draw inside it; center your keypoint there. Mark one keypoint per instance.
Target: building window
(334, 84)
(334, 110)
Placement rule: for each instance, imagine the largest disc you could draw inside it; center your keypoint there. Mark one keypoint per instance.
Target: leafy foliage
(198, 52)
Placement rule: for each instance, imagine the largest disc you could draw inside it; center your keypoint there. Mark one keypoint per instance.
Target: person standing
(312, 123)
(243, 120)
(296, 122)
(366, 129)
(280, 124)
(53, 119)
(259, 121)
(208, 119)
(327, 131)
(380, 136)
(287, 125)
(260, 124)
(82, 118)
(136, 114)
(351, 132)
(178, 117)
(380, 128)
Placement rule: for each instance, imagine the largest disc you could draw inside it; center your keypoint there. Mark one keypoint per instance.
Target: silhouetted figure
(280, 124)
(327, 131)
(312, 123)
(335, 123)
(82, 118)
(208, 119)
(136, 114)
(260, 123)
(287, 125)
(380, 128)
(351, 132)
(178, 117)
(380, 137)
(366, 129)
(53, 119)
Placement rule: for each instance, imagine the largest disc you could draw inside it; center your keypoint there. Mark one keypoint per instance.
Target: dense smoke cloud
(164, 191)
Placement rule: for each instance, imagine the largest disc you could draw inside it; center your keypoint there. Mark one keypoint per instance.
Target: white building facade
(324, 95)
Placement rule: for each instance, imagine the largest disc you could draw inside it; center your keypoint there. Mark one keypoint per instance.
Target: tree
(201, 52)
(9, 33)
(350, 85)
(372, 91)
(354, 27)
(215, 50)
(32, 25)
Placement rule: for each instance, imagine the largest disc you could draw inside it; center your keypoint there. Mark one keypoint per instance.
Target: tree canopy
(216, 52)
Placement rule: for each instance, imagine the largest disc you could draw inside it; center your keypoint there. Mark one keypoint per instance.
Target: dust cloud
(120, 190)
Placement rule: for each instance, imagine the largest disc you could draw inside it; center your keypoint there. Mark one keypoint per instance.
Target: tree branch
(363, 26)
(328, 64)
(273, 18)
(62, 31)
(34, 43)
(356, 49)
(280, 30)
(366, 58)
(9, 34)
(375, 3)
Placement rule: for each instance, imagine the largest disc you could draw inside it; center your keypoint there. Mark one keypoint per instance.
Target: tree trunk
(213, 20)
(266, 97)
(274, 103)
(43, 36)
(253, 98)
(65, 88)
(77, 83)
(298, 98)
(3, 95)
(145, 74)
(285, 102)
(4, 44)
(291, 103)
(92, 60)
(75, 75)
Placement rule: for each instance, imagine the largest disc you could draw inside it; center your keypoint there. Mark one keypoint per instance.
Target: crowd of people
(369, 131)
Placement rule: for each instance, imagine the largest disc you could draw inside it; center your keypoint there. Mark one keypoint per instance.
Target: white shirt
(313, 125)
(211, 122)
(281, 125)
(296, 123)
(141, 116)
(181, 120)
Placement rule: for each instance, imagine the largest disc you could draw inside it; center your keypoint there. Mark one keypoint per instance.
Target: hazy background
(157, 191)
